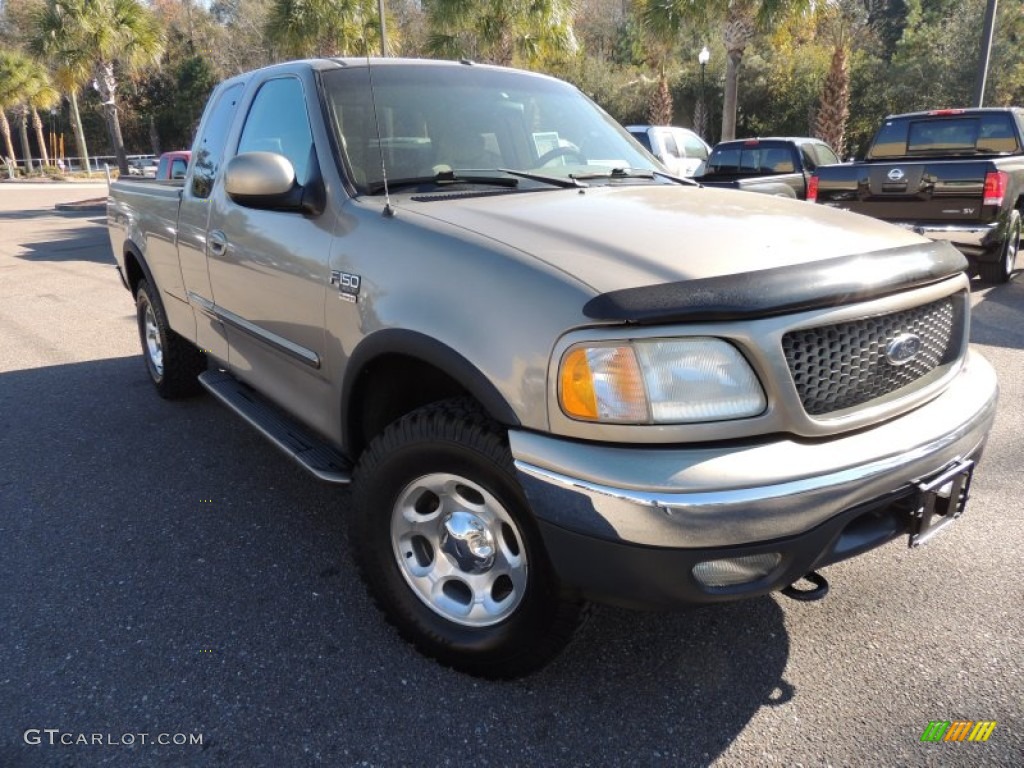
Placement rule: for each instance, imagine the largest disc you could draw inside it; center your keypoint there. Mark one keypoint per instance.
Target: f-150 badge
(348, 285)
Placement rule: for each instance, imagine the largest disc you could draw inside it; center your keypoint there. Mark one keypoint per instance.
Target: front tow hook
(817, 592)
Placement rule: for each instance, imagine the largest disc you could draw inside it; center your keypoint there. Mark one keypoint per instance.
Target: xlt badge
(348, 285)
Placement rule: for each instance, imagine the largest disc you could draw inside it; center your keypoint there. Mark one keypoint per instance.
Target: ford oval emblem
(896, 174)
(903, 348)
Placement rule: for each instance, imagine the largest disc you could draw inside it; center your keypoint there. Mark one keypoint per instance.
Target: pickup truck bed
(955, 175)
(771, 166)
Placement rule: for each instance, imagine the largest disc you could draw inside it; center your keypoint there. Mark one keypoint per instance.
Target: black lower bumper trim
(652, 577)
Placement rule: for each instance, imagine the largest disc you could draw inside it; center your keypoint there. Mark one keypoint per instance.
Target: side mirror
(266, 180)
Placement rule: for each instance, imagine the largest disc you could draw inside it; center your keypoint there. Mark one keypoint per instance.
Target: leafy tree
(14, 73)
(502, 31)
(53, 36)
(740, 21)
(111, 37)
(27, 88)
(305, 28)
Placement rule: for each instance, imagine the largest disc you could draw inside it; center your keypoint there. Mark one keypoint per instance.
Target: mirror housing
(266, 180)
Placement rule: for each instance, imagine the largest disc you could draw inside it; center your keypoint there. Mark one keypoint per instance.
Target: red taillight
(947, 112)
(812, 189)
(751, 143)
(995, 187)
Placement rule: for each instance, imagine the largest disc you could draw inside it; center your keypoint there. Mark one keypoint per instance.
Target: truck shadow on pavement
(998, 318)
(88, 242)
(166, 570)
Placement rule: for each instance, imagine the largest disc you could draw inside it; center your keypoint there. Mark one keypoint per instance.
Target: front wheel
(448, 549)
(1000, 271)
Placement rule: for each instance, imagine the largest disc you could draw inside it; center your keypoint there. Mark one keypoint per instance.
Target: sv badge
(348, 285)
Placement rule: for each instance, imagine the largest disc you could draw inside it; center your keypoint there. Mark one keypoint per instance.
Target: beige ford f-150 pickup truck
(551, 372)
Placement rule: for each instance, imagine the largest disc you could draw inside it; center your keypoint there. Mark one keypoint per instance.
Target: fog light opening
(730, 571)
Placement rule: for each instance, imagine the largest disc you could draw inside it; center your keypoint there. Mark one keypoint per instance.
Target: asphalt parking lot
(164, 571)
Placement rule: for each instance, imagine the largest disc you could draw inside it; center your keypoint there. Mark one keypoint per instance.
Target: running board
(311, 452)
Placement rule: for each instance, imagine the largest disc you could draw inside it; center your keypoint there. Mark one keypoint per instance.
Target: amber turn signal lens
(578, 398)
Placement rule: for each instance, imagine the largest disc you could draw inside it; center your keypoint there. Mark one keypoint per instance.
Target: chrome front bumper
(743, 493)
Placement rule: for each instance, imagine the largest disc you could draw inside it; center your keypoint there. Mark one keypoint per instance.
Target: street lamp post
(700, 119)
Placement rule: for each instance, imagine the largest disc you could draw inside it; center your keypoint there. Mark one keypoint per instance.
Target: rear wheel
(999, 271)
(448, 548)
(173, 363)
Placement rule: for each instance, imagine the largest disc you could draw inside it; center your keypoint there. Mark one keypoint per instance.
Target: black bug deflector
(770, 292)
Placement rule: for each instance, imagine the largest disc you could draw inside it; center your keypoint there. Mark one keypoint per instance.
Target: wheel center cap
(468, 542)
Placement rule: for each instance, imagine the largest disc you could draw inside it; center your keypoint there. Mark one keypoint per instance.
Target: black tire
(1001, 270)
(173, 363)
(454, 441)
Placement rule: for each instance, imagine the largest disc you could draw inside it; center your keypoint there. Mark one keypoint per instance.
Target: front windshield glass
(460, 120)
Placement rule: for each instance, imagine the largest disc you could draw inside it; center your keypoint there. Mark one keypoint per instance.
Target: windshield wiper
(443, 178)
(632, 173)
(558, 181)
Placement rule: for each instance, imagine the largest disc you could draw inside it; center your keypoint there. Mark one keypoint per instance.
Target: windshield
(449, 120)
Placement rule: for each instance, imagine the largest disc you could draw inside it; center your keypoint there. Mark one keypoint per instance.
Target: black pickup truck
(773, 166)
(948, 174)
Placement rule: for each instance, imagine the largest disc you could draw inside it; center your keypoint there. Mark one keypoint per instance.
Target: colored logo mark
(958, 730)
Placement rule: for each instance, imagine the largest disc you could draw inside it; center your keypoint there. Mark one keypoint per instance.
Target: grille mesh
(844, 365)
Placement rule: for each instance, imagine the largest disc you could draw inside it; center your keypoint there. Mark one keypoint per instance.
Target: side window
(825, 155)
(210, 146)
(695, 148)
(810, 162)
(670, 144)
(178, 168)
(161, 169)
(277, 122)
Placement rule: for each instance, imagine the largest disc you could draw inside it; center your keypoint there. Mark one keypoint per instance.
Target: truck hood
(615, 238)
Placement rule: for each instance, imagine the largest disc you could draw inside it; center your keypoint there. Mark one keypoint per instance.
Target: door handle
(217, 242)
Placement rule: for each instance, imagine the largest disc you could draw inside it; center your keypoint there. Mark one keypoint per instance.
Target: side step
(310, 451)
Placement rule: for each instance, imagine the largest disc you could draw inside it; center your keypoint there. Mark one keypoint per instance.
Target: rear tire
(448, 548)
(173, 363)
(1001, 270)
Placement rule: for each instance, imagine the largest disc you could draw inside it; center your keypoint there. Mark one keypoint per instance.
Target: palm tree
(26, 88)
(54, 37)
(109, 37)
(41, 94)
(14, 73)
(662, 28)
(303, 28)
(838, 18)
(740, 21)
(501, 31)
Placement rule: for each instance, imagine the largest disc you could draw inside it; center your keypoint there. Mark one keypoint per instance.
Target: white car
(680, 150)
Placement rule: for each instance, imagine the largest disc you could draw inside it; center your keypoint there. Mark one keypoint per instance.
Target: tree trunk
(107, 84)
(834, 113)
(26, 150)
(154, 137)
(731, 98)
(738, 32)
(5, 129)
(80, 147)
(37, 124)
(659, 110)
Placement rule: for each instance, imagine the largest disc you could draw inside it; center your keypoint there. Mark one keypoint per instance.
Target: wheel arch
(395, 371)
(136, 268)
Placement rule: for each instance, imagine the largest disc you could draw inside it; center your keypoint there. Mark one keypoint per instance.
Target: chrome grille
(844, 365)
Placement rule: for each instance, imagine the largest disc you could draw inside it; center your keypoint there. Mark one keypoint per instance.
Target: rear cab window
(753, 158)
(926, 135)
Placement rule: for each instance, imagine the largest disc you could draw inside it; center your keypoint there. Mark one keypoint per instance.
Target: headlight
(658, 381)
